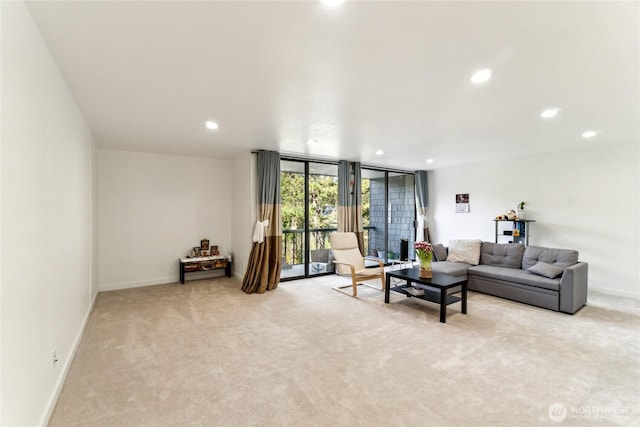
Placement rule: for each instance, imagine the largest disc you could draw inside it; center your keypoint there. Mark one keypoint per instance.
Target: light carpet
(206, 354)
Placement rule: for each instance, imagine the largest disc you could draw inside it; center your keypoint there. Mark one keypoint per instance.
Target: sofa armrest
(573, 288)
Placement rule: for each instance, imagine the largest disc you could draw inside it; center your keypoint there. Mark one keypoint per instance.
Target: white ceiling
(364, 76)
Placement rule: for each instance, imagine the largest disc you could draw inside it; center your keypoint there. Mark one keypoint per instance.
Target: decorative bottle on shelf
(520, 211)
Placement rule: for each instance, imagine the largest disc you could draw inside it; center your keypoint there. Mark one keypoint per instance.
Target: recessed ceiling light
(312, 141)
(590, 133)
(332, 3)
(211, 125)
(429, 160)
(549, 112)
(379, 153)
(481, 76)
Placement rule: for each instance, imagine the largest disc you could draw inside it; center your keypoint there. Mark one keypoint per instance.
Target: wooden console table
(205, 263)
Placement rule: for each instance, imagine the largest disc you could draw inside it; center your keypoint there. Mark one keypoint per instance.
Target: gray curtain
(265, 260)
(350, 200)
(422, 204)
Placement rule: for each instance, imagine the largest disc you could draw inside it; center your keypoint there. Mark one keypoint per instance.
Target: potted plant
(520, 211)
(424, 253)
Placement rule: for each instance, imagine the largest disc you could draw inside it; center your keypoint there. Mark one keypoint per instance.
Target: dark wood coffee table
(435, 289)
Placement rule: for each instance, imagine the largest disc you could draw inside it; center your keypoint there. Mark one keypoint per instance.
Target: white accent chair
(351, 262)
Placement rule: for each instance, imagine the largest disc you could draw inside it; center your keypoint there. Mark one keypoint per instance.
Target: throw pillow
(467, 251)
(546, 270)
(440, 252)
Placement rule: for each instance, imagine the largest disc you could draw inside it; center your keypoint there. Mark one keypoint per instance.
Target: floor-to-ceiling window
(401, 208)
(309, 213)
(390, 216)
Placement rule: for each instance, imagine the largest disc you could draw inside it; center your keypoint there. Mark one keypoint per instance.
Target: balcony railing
(293, 242)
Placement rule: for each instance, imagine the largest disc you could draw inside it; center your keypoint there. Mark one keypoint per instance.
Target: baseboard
(137, 284)
(616, 293)
(65, 370)
(195, 275)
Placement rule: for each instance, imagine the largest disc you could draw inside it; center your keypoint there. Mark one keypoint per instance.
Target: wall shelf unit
(519, 232)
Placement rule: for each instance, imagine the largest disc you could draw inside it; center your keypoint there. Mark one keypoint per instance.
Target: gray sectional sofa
(544, 277)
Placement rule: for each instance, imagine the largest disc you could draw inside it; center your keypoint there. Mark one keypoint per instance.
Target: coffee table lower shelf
(427, 294)
(435, 289)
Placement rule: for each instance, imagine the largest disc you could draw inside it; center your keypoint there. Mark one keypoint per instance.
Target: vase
(425, 270)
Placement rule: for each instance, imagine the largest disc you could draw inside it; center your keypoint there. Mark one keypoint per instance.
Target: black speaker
(404, 249)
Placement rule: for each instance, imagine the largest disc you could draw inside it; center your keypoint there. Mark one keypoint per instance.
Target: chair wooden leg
(354, 285)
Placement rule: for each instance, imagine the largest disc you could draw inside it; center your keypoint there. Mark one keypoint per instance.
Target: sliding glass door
(388, 205)
(309, 213)
(401, 208)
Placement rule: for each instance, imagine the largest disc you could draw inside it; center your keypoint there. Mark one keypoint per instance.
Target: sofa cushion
(467, 251)
(450, 268)
(561, 257)
(502, 254)
(440, 252)
(546, 270)
(507, 274)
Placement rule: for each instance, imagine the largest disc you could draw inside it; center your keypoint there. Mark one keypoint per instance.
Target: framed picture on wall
(462, 203)
(204, 244)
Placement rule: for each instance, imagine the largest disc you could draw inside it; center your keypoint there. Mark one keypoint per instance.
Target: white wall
(586, 200)
(153, 210)
(245, 210)
(95, 209)
(1, 348)
(45, 190)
